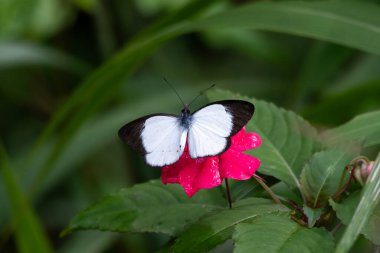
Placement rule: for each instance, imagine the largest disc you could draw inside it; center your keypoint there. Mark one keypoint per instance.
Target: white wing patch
(163, 139)
(210, 127)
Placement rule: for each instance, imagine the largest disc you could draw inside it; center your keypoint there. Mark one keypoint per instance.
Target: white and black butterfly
(161, 138)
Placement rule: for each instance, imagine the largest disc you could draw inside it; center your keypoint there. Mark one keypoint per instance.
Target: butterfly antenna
(202, 93)
(175, 91)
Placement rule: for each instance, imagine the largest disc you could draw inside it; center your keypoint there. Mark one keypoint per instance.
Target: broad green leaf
(258, 45)
(366, 206)
(346, 209)
(279, 234)
(148, 207)
(288, 141)
(364, 128)
(349, 23)
(29, 234)
(218, 226)
(321, 177)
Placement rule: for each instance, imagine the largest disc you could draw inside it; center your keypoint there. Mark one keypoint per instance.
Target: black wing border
(130, 133)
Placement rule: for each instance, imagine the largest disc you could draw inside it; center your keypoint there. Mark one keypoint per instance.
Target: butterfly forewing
(213, 125)
(158, 137)
(164, 140)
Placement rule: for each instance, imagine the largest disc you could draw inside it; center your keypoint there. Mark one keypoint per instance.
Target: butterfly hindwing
(213, 125)
(158, 137)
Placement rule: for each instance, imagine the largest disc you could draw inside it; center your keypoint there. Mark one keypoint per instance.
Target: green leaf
(321, 177)
(89, 242)
(288, 141)
(217, 227)
(14, 54)
(346, 209)
(364, 128)
(312, 215)
(148, 207)
(274, 234)
(353, 24)
(366, 206)
(30, 236)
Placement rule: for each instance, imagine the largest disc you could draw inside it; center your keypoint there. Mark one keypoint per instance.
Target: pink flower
(208, 172)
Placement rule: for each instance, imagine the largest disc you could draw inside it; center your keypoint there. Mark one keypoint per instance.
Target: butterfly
(161, 138)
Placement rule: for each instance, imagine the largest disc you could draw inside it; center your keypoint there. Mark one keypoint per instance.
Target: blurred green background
(72, 72)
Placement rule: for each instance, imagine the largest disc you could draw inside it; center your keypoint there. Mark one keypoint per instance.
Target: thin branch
(268, 189)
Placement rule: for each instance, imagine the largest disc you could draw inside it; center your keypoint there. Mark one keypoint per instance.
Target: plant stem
(266, 187)
(228, 193)
(352, 171)
(336, 228)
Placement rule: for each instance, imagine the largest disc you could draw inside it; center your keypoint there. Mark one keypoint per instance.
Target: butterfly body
(161, 138)
(185, 118)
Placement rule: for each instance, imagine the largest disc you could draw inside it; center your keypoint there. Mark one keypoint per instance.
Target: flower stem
(266, 187)
(228, 193)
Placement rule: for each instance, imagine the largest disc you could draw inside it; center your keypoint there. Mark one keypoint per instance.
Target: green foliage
(364, 210)
(346, 209)
(319, 176)
(30, 236)
(131, 210)
(73, 72)
(217, 227)
(254, 236)
(312, 215)
(363, 128)
(349, 23)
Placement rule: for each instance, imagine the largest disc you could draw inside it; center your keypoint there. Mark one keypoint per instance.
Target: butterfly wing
(158, 137)
(213, 125)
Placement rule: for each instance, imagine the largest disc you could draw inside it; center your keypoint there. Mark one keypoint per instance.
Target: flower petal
(236, 165)
(243, 141)
(199, 174)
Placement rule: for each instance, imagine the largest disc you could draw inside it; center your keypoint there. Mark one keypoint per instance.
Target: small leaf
(320, 178)
(366, 206)
(148, 207)
(217, 227)
(364, 128)
(346, 209)
(288, 141)
(274, 234)
(312, 215)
